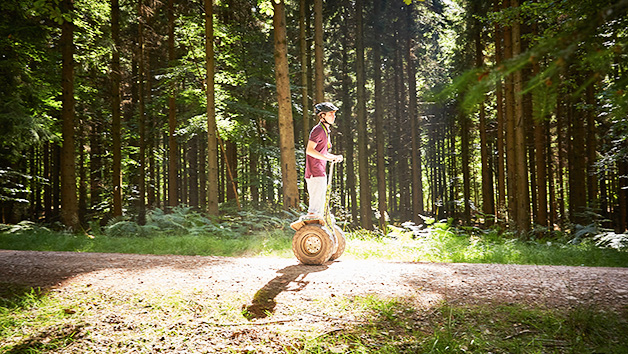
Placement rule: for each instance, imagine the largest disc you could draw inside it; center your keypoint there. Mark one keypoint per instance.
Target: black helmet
(324, 107)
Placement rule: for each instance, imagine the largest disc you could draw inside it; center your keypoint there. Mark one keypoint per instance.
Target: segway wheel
(340, 237)
(312, 245)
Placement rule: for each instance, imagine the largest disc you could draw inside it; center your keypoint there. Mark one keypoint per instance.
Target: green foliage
(394, 326)
(12, 187)
(612, 240)
(22, 227)
(445, 243)
(27, 91)
(183, 220)
(588, 37)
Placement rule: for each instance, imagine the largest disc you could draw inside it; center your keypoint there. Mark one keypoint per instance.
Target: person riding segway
(318, 239)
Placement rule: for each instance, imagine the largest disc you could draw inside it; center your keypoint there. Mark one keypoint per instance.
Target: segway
(318, 240)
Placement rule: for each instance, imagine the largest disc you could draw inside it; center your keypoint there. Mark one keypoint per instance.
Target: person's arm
(311, 150)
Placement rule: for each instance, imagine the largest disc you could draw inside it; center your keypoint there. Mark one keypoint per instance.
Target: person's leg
(316, 188)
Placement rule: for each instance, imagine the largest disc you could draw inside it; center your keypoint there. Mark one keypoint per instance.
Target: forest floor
(112, 292)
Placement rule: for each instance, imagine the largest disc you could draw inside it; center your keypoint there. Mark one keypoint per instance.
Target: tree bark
(522, 202)
(254, 168)
(82, 173)
(319, 77)
(417, 182)
(286, 129)
(622, 196)
(466, 175)
(212, 143)
(591, 131)
(173, 184)
(488, 197)
(69, 202)
(305, 101)
(561, 123)
(346, 123)
(48, 186)
(500, 211)
(142, 119)
(379, 120)
(193, 162)
(95, 162)
(366, 218)
(540, 144)
(577, 162)
(115, 109)
(231, 165)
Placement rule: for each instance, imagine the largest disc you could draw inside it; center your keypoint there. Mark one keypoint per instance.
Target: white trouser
(316, 188)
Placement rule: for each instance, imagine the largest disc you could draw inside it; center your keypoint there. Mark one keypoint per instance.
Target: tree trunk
(82, 174)
(47, 186)
(56, 183)
(202, 175)
(499, 107)
(622, 197)
(550, 178)
(577, 163)
(142, 119)
(286, 129)
(417, 183)
(193, 172)
(522, 196)
(488, 197)
(453, 169)
(540, 144)
(561, 122)
(366, 218)
(212, 143)
(95, 162)
(150, 126)
(319, 77)
(379, 120)
(346, 123)
(183, 171)
(466, 174)
(509, 120)
(592, 182)
(231, 163)
(305, 101)
(172, 116)
(254, 168)
(115, 112)
(69, 202)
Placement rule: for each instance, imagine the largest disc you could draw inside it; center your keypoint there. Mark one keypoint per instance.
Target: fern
(612, 240)
(124, 228)
(184, 220)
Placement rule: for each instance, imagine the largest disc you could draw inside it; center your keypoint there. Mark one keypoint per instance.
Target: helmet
(324, 107)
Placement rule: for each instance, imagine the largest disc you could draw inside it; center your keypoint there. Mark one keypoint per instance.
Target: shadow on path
(49, 269)
(263, 303)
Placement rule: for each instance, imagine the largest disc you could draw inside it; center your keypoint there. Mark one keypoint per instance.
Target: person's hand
(338, 158)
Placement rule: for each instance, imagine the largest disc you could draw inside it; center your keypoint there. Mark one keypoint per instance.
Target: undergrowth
(394, 326)
(81, 319)
(252, 232)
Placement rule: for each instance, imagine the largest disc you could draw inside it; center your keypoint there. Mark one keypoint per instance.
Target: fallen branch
(519, 333)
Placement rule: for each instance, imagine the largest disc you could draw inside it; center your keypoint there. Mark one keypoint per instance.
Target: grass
(395, 326)
(442, 244)
(445, 245)
(79, 319)
(276, 243)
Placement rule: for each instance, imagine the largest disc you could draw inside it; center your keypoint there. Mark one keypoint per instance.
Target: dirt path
(284, 281)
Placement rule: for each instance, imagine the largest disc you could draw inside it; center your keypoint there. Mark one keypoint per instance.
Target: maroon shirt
(315, 167)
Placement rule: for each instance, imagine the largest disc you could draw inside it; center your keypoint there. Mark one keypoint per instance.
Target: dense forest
(502, 113)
